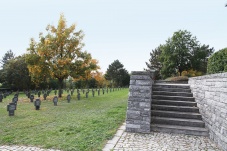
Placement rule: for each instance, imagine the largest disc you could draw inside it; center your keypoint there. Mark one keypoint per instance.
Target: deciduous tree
(183, 51)
(57, 54)
(15, 74)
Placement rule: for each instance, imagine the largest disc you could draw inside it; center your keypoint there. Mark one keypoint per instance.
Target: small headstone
(78, 95)
(5, 95)
(55, 100)
(1, 97)
(39, 93)
(14, 100)
(93, 93)
(45, 96)
(11, 108)
(55, 92)
(103, 91)
(98, 92)
(83, 91)
(28, 94)
(37, 104)
(68, 98)
(87, 94)
(31, 98)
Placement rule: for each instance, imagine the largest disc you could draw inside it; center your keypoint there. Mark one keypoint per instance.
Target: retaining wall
(210, 93)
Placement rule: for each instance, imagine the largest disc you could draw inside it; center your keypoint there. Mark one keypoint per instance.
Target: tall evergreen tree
(154, 61)
(8, 56)
(117, 74)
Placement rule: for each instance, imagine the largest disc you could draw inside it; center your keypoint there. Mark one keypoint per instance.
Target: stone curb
(112, 143)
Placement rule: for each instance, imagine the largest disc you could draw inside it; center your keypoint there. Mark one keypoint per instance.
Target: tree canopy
(117, 74)
(58, 54)
(8, 56)
(180, 52)
(218, 62)
(15, 74)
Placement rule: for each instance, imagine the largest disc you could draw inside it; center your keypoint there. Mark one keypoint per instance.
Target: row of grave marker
(13, 105)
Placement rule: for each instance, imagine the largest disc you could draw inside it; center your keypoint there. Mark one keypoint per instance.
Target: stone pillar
(139, 102)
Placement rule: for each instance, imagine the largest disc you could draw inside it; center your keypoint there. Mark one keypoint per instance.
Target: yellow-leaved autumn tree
(57, 54)
(88, 66)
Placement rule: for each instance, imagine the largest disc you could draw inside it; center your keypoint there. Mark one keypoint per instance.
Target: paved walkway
(156, 141)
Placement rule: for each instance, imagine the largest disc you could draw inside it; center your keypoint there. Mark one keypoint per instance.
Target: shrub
(179, 78)
(192, 73)
(218, 62)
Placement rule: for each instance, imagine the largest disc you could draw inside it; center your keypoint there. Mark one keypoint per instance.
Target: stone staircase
(174, 110)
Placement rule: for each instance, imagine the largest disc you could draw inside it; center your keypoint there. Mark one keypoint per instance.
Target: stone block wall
(210, 92)
(139, 102)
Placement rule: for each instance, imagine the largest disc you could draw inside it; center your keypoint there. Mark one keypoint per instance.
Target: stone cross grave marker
(37, 104)
(11, 108)
(98, 92)
(28, 95)
(14, 100)
(1, 97)
(31, 98)
(55, 100)
(78, 95)
(87, 94)
(68, 98)
(5, 95)
(45, 96)
(93, 93)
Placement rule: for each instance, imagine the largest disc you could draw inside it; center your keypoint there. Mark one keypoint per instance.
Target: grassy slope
(79, 125)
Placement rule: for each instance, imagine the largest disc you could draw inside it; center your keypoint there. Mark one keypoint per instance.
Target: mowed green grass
(86, 124)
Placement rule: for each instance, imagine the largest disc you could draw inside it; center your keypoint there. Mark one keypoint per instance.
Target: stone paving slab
(156, 141)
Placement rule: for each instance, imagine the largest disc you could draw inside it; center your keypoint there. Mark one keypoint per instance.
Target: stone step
(174, 114)
(175, 108)
(177, 121)
(175, 98)
(179, 86)
(174, 103)
(172, 82)
(179, 129)
(171, 89)
(184, 94)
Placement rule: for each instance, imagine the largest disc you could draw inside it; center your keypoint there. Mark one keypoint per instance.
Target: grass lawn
(86, 124)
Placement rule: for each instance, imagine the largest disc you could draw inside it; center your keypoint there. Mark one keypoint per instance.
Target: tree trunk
(60, 87)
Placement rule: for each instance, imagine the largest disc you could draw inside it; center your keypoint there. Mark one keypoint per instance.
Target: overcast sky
(126, 30)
